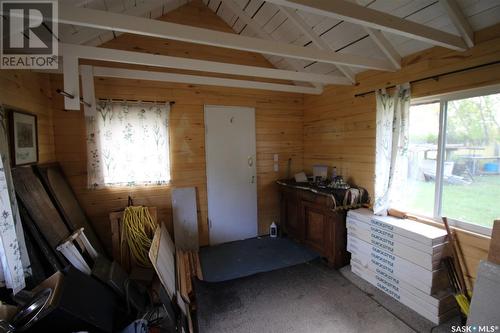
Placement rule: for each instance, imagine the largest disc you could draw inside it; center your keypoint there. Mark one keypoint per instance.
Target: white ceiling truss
(311, 42)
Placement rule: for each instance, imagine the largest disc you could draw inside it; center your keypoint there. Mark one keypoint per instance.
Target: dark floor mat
(247, 257)
(309, 297)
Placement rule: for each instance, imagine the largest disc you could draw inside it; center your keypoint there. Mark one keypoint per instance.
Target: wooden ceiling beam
(459, 20)
(146, 59)
(354, 13)
(309, 33)
(245, 18)
(154, 28)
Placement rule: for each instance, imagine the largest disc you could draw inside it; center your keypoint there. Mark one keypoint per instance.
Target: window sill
(132, 187)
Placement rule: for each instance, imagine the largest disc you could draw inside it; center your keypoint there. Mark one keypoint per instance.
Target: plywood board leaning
(162, 256)
(185, 217)
(494, 252)
(40, 208)
(65, 201)
(486, 297)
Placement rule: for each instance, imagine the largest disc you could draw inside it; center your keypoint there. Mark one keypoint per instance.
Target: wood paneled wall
(279, 121)
(339, 128)
(30, 92)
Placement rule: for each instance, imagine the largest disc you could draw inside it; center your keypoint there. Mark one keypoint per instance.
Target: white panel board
(185, 217)
(420, 232)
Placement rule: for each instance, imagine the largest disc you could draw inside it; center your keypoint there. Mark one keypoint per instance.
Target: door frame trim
(209, 222)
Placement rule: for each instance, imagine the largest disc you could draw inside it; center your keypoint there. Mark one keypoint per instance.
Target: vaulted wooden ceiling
(332, 39)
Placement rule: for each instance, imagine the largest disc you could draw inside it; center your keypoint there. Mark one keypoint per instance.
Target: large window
(454, 159)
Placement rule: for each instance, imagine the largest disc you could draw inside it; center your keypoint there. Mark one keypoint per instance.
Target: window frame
(443, 100)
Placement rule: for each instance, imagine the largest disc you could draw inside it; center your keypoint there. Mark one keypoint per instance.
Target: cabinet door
(290, 214)
(316, 227)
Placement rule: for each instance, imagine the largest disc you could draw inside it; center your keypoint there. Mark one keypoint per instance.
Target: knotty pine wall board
(339, 128)
(31, 92)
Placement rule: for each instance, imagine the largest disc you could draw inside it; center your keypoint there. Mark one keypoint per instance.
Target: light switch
(275, 157)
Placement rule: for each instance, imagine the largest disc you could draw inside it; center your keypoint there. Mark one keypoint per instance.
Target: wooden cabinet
(309, 219)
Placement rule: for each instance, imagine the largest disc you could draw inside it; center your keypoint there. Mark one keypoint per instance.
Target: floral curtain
(391, 162)
(127, 144)
(15, 263)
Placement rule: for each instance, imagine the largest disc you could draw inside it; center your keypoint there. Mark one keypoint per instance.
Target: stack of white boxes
(403, 259)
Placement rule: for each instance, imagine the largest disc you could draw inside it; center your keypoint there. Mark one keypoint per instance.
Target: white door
(231, 175)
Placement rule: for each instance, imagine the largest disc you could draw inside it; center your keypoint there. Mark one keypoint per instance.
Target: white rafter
(139, 58)
(384, 45)
(201, 80)
(320, 43)
(459, 20)
(244, 17)
(72, 53)
(350, 12)
(154, 28)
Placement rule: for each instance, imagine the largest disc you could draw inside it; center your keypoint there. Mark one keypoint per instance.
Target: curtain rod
(434, 77)
(135, 101)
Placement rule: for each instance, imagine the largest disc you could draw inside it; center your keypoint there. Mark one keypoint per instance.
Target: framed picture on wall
(23, 137)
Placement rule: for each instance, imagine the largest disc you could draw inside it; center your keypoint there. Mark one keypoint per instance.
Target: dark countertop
(353, 197)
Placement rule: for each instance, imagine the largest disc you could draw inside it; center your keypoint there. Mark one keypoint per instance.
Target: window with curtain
(454, 159)
(128, 144)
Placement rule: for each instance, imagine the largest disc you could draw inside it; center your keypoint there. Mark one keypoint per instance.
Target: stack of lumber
(176, 269)
(188, 267)
(402, 258)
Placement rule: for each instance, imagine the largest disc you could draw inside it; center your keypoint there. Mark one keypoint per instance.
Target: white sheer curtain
(128, 144)
(15, 264)
(391, 162)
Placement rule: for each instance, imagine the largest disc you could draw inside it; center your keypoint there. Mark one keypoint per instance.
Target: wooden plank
(64, 198)
(185, 218)
(35, 199)
(114, 219)
(162, 254)
(494, 252)
(199, 272)
(371, 18)
(146, 27)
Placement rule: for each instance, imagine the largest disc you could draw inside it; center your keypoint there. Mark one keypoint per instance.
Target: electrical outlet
(276, 167)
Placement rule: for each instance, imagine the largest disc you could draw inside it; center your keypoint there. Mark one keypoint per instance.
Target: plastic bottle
(273, 230)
